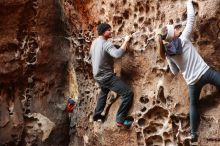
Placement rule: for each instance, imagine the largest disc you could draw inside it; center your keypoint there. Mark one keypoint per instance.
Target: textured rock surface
(43, 59)
(33, 75)
(160, 109)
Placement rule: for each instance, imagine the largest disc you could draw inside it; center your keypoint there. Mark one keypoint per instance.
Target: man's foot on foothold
(100, 118)
(126, 123)
(194, 139)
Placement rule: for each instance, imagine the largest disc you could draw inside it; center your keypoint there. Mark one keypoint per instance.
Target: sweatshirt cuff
(122, 51)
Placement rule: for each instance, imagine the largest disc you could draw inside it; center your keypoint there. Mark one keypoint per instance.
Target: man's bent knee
(130, 93)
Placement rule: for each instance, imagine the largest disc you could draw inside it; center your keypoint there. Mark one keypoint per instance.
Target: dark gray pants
(210, 77)
(117, 85)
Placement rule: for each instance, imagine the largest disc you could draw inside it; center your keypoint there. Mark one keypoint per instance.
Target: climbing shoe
(126, 123)
(194, 137)
(99, 118)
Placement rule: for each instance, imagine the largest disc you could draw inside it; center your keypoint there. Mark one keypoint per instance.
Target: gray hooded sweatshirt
(102, 53)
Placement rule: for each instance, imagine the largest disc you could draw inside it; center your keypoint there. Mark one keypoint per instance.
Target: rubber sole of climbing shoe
(194, 144)
(100, 118)
(126, 123)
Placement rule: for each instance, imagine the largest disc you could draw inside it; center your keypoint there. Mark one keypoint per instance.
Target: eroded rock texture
(161, 105)
(33, 73)
(44, 47)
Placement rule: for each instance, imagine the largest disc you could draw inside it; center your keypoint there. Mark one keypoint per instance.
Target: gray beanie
(102, 28)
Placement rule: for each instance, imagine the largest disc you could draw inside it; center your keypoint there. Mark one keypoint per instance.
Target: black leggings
(210, 77)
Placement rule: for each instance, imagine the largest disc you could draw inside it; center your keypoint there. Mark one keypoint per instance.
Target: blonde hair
(159, 42)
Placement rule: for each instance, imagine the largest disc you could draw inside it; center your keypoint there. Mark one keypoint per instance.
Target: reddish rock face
(44, 57)
(161, 105)
(33, 75)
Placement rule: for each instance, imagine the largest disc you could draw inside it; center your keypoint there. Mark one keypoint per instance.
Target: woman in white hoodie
(183, 57)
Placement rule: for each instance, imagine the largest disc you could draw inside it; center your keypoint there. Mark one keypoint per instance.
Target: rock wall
(34, 73)
(44, 57)
(161, 105)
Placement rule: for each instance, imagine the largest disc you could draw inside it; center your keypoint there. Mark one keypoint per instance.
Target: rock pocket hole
(143, 109)
(141, 19)
(141, 122)
(149, 130)
(126, 14)
(144, 100)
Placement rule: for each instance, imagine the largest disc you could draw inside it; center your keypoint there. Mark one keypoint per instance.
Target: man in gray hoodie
(102, 54)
